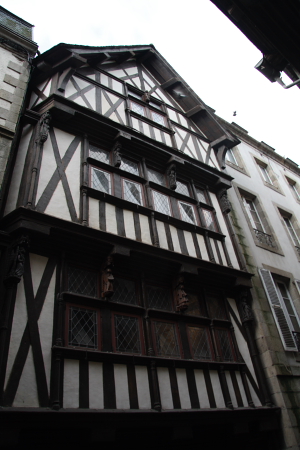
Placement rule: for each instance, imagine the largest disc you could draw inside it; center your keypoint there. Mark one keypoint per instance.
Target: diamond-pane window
(201, 195)
(187, 212)
(182, 188)
(83, 328)
(215, 305)
(159, 298)
(129, 166)
(101, 180)
(137, 108)
(99, 154)
(161, 203)
(224, 343)
(124, 291)
(199, 343)
(156, 177)
(82, 281)
(127, 334)
(209, 219)
(194, 307)
(132, 192)
(158, 118)
(166, 339)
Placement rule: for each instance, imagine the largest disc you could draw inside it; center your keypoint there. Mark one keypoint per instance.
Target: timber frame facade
(126, 310)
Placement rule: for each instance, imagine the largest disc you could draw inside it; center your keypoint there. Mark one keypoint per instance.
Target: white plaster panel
(231, 389)
(63, 140)
(114, 117)
(48, 166)
(73, 177)
(81, 83)
(146, 129)
(255, 399)
(71, 384)
(190, 243)
(165, 388)
(94, 213)
(121, 384)
(129, 224)
(142, 385)
(157, 134)
(46, 91)
(91, 98)
(135, 123)
(45, 324)
(37, 264)
(241, 386)
(224, 230)
(183, 389)
(242, 344)
(216, 385)
(80, 101)
(145, 230)
(18, 327)
(111, 221)
(70, 89)
(201, 388)
(18, 169)
(162, 234)
(202, 246)
(104, 103)
(27, 394)
(175, 239)
(96, 385)
(58, 204)
(121, 111)
(222, 253)
(168, 139)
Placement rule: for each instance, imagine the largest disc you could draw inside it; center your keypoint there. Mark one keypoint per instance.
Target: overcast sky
(202, 45)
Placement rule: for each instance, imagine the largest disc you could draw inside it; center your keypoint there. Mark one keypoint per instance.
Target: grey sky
(202, 45)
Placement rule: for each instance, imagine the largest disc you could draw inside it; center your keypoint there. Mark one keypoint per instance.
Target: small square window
(166, 339)
(159, 298)
(82, 281)
(99, 154)
(156, 177)
(209, 220)
(129, 166)
(225, 344)
(187, 212)
(161, 203)
(101, 180)
(132, 192)
(182, 188)
(158, 118)
(83, 327)
(201, 195)
(199, 342)
(127, 334)
(137, 108)
(124, 291)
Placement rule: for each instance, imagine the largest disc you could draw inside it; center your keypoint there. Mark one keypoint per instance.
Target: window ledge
(238, 168)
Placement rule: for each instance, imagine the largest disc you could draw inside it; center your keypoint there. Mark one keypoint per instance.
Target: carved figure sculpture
(107, 278)
(171, 173)
(182, 301)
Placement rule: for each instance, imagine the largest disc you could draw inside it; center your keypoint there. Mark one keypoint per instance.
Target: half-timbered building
(126, 314)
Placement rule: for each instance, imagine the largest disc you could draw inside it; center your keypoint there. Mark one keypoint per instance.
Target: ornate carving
(171, 173)
(181, 297)
(117, 154)
(264, 238)
(244, 306)
(107, 278)
(146, 97)
(44, 126)
(17, 261)
(224, 202)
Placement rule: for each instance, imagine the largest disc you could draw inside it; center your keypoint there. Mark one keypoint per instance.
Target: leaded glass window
(199, 342)
(166, 339)
(182, 188)
(132, 192)
(156, 177)
(101, 180)
(224, 344)
(215, 304)
(201, 195)
(129, 166)
(137, 108)
(158, 118)
(83, 327)
(209, 219)
(159, 298)
(124, 291)
(82, 281)
(187, 212)
(161, 203)
(99, 154)
(127, 334)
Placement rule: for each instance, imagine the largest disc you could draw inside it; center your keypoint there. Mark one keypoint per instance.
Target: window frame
(67, 328)
(149, 110)
(140, 329)
(232, 159)
(193, 209)
(125, 180)
(209, 340)
(177, 334)
(111, 185)
(153, 191)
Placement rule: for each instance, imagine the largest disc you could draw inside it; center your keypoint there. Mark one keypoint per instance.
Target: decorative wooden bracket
(224, 202)
(117, 154)
(244, 306)
(16, 261)
(44, 126)
(171, 174)
(180, 295)
(107, 278)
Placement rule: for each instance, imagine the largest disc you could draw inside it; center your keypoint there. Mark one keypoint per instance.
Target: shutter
(278, 309)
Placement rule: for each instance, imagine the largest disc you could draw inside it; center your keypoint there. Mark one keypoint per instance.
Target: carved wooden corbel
(224, 202)
(244, 306)
(180, 295)
(117, 154)
(16, 261)
(146, 97)
(44, 126)
(107, 278)
(171, 174)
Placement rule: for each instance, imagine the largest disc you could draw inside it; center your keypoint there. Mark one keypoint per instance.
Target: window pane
(293, 186)
(101, 180)
(166, 339)
(199, 343)
(182, 188)
(159, 298)
(161, 203)
(201, 195)
(82, 327)
(137, 108)
(225, 347)
(124, 291)
(230, 157)
(194, 307)
(130, 166)
(209, 220)
(155, 105)
(215, 305)
(127, 334)
(291, 230)
(253, 215)
(158, 118)
(82, 282)
(132, 192)
(99, 154)
(187, 212)
(156, 177)
(265, 174)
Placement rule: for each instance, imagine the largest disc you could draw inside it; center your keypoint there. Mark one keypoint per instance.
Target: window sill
(238, 168)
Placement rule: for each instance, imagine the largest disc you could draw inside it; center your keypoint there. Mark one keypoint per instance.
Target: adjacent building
(126, 312)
